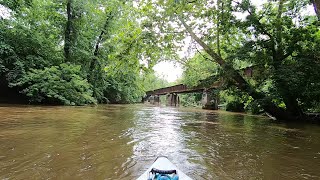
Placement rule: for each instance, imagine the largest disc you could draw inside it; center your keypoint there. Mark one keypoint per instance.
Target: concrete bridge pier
(173, 99)
(145, 98)
(209, 101)
(154, 99)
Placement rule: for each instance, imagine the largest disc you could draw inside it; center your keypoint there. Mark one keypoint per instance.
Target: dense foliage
(61, 84)
(74, 52)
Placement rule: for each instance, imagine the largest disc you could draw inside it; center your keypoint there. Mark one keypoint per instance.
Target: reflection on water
(121, 141)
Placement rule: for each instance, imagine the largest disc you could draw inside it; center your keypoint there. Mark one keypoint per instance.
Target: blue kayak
(163, 169)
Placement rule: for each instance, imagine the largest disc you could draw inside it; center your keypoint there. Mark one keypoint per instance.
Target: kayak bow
(163, 169)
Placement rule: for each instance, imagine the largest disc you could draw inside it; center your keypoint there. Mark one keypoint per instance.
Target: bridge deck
(179, 89)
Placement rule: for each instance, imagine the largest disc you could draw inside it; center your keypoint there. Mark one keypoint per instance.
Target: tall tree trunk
(97, 45)
(316, 5)
(109, 17)
(279, 28)
(92, 78)
(68, 31)
(240, 82)
(218, 26)
(107, 22)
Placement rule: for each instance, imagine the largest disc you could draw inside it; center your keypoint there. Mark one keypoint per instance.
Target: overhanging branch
(208, 50)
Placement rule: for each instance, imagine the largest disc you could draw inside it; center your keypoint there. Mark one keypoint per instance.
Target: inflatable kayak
(163, 169)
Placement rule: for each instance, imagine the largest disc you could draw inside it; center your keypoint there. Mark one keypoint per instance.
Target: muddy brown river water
(121, 141)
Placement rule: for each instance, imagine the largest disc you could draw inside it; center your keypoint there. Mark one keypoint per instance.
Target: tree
(103, 38)
(265, 32)
(316, 5)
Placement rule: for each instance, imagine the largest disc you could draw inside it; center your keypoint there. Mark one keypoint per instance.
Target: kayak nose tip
(161, 157)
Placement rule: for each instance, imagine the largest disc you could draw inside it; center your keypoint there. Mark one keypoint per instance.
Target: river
(121, 141)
